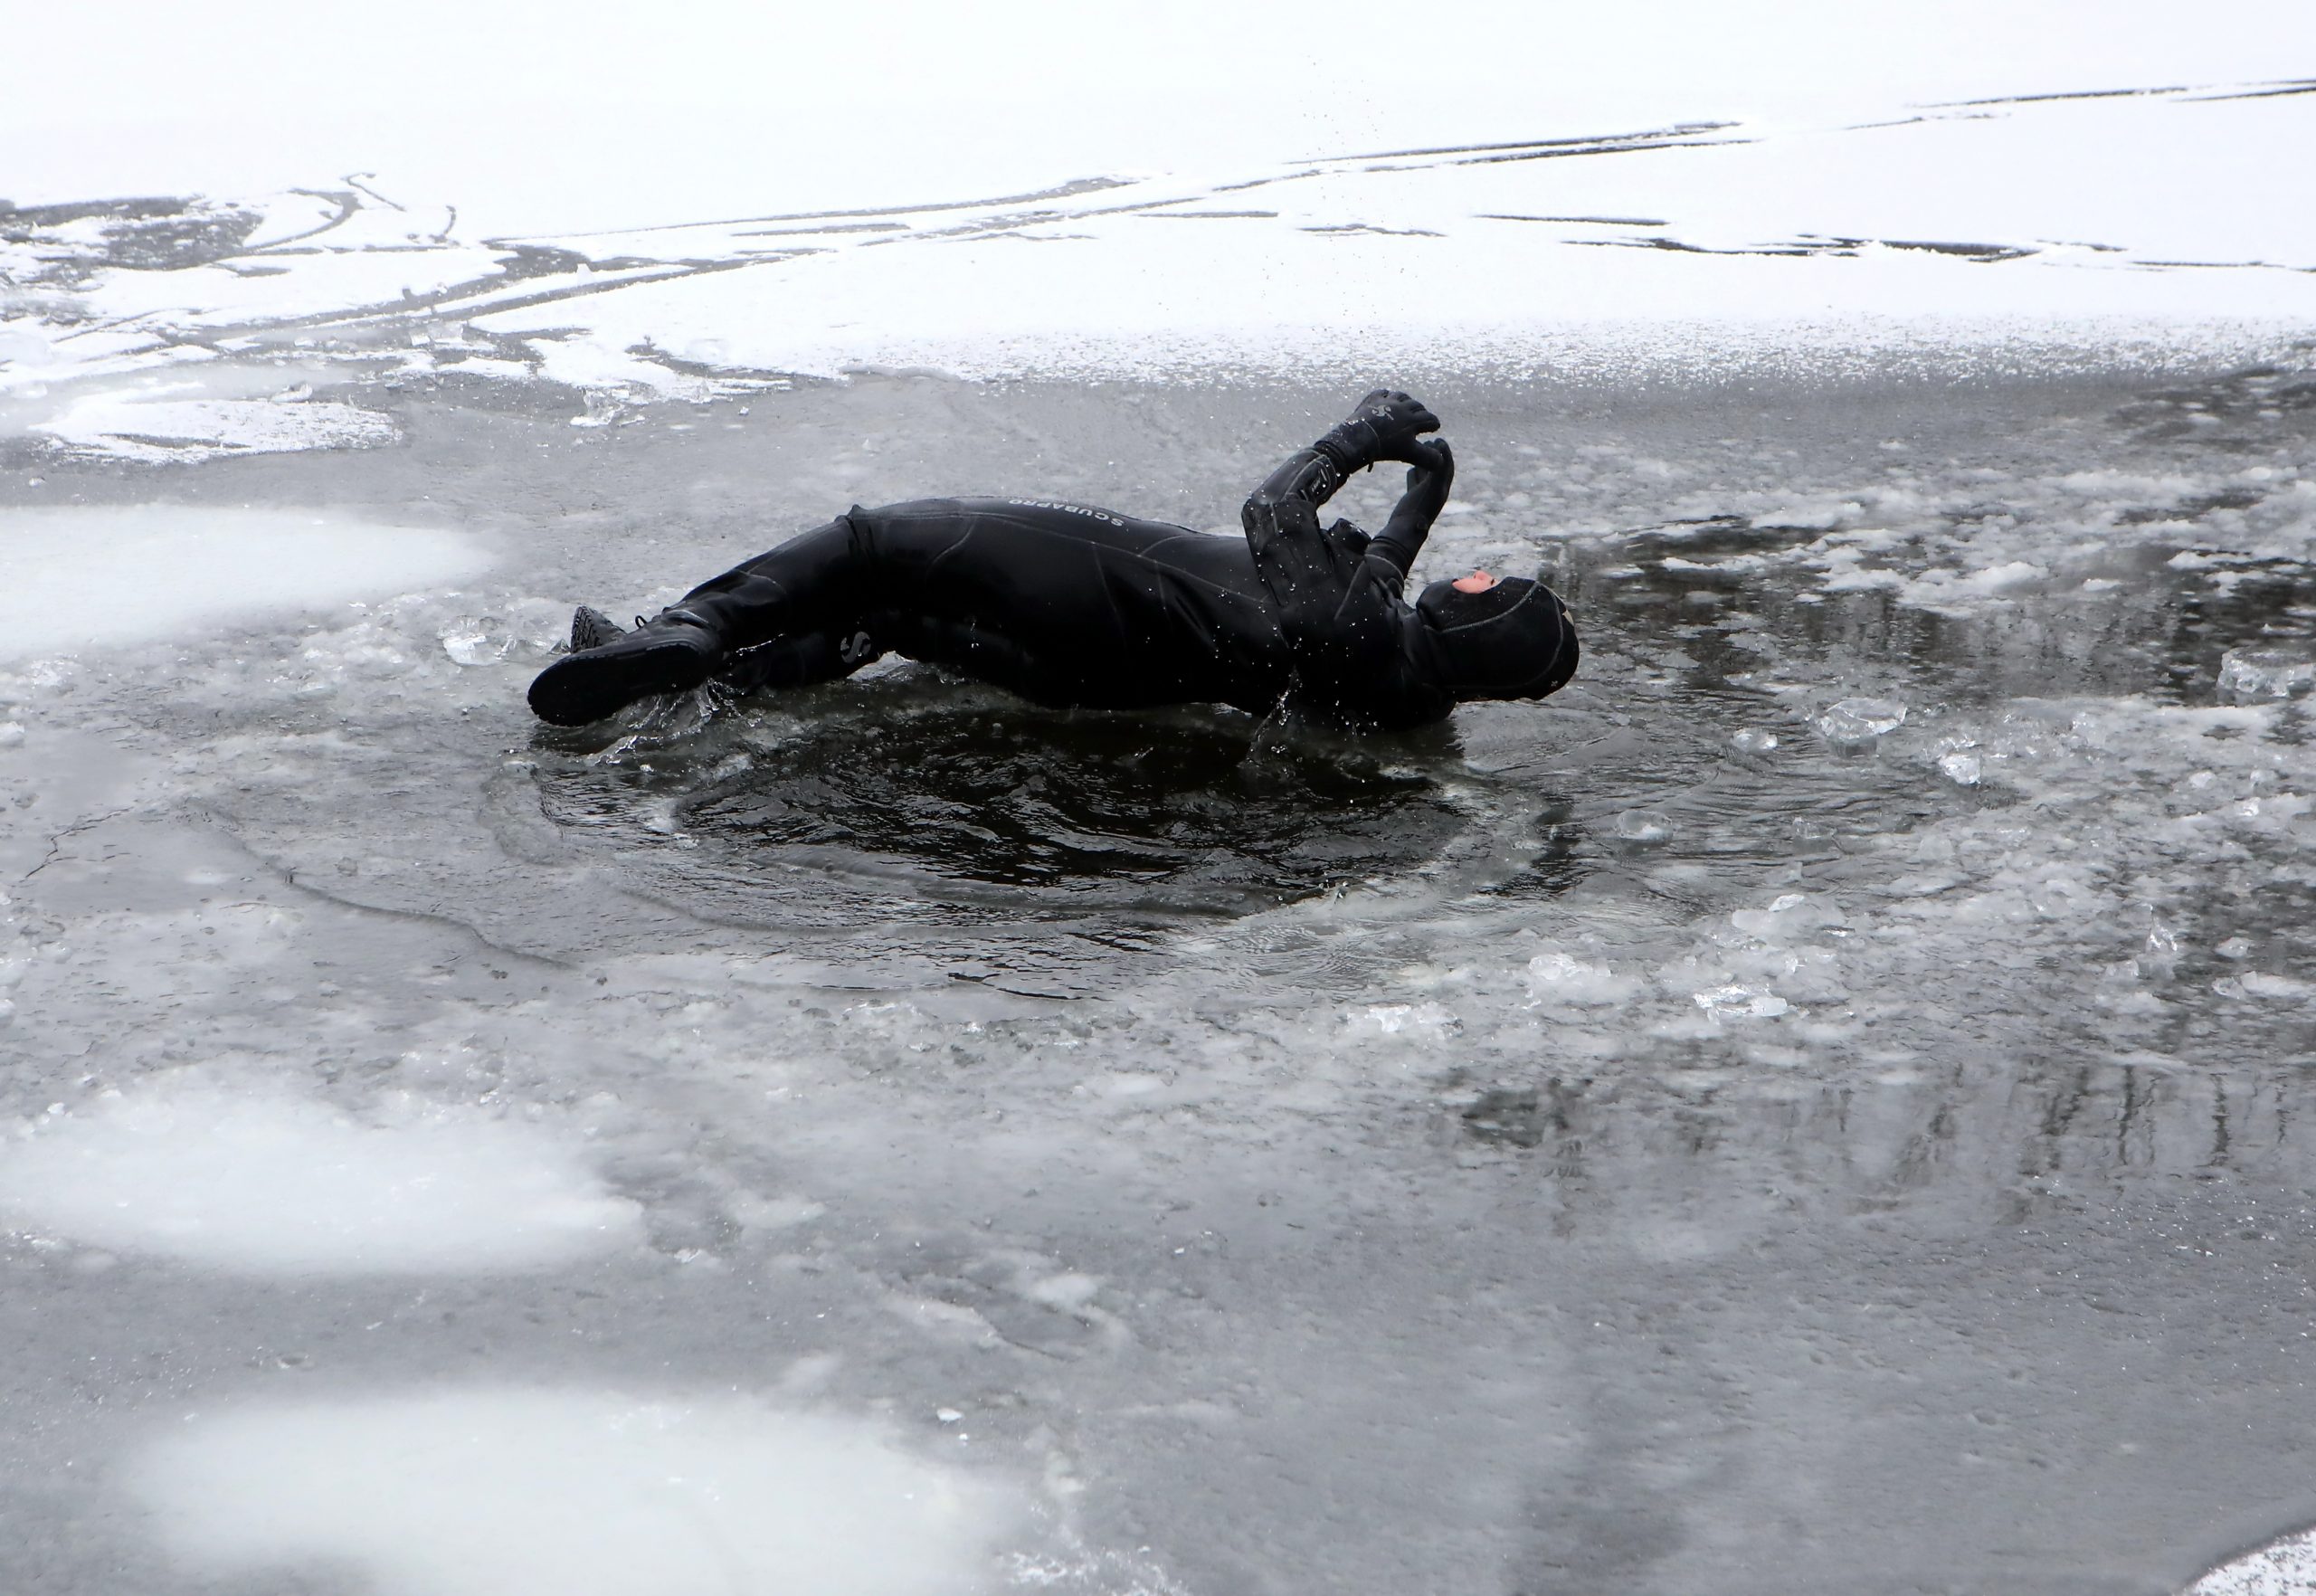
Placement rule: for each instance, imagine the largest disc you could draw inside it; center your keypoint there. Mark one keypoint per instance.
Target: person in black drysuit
(1069, 605)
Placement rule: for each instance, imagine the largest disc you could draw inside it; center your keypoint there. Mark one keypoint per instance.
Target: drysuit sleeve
(1311, 576)
(1401, 538)
(1337, 597)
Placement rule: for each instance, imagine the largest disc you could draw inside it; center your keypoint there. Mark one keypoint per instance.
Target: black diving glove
(1384, 426)
(1430, 474)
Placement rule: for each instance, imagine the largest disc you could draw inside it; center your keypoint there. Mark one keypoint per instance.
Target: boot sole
(585, 688)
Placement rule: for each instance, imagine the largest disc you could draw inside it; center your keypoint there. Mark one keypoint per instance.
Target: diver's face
(1470, 600)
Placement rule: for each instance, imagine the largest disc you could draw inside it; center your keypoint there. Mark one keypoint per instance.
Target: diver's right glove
(1384, 426)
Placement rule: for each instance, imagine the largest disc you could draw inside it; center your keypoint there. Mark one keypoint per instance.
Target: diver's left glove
(672, 652)
(1384, 426)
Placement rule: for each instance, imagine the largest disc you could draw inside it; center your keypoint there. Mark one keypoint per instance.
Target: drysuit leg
(804, 659)
(791, 616)
(817, 583)
(797, 607)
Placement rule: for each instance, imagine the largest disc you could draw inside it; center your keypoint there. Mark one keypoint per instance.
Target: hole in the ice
(1192, 812)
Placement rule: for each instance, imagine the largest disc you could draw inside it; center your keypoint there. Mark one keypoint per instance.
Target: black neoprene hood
(1510, 641)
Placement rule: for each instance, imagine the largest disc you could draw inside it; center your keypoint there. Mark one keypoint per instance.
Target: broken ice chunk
(1558, 977)
(602, 410)
(2266, 674)
(1421, 1022)
(1854, 722)
(536, 628)
(1644, 825)
(1744, 1003)
(1789, 915)
(477, 641)
(2258, 985)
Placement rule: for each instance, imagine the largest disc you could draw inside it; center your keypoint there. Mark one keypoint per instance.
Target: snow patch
(583, 1493)
(1756, 235)
(79, 578)
(2282, 1568)
(273, 1184)
(181, 432)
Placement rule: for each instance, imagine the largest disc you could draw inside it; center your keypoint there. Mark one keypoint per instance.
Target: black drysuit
(1066, 605)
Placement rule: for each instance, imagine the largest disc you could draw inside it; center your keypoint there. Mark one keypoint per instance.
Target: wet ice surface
(1652, 1141)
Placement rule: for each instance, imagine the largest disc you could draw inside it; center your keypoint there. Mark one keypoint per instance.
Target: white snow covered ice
(86, 577)
(484, 1491)
(235, 1177)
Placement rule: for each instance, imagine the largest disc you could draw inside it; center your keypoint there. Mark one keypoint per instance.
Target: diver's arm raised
(1428, 480)
(1383, 425)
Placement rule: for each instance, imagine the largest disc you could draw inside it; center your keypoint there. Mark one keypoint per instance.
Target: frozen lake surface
(1815, 1105)
(1820, 1105)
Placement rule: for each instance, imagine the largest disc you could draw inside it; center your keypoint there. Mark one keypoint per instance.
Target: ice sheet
(892, 103)
(1838, 206)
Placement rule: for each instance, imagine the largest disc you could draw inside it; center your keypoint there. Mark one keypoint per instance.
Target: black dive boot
(592, 629)
(610, 667)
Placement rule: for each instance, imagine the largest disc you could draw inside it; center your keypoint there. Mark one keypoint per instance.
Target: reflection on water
(1971, 1140)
